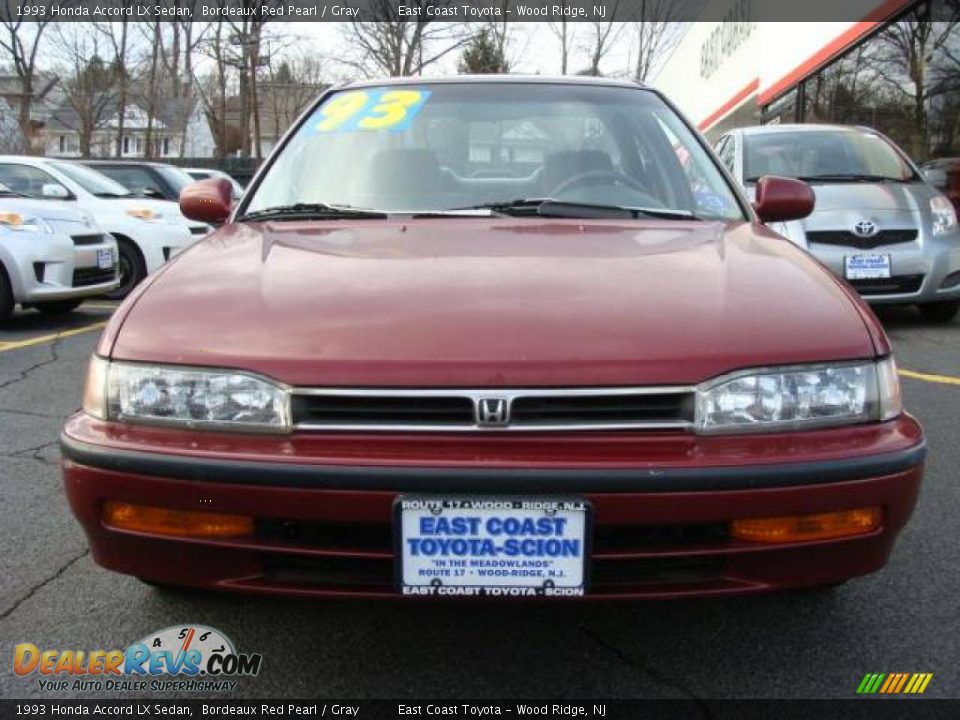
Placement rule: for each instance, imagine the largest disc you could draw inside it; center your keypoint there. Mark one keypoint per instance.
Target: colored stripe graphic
(894, 683)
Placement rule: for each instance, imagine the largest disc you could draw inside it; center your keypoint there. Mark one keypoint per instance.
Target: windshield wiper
(113, 195)
(550, 207)
(311, 211)
(853, 177)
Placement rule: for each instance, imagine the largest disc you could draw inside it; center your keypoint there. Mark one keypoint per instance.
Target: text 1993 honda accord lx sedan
(477, 337)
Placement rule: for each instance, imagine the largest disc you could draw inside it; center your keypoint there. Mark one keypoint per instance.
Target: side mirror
(53, 190)
(779, 199)
(207, 201)
(936, 177)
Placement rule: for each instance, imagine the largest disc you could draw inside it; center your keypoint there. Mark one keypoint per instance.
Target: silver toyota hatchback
(877, 223)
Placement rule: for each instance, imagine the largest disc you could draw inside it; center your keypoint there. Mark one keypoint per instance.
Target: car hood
(840, 206)
(53, 210)
(492, 303)
(169, 211)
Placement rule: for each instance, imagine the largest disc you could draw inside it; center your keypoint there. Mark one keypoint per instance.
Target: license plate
(104, 259)
(866, 267)
(492, 546)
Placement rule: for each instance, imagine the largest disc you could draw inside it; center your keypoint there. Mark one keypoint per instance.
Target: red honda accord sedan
(510, 337)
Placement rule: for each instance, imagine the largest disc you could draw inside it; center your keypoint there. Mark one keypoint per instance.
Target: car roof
(497, 79)
(133, 163)
(801, 127)
(25, 159)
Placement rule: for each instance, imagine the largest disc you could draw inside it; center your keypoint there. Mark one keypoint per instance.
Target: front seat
(559, 167)
(407, 178)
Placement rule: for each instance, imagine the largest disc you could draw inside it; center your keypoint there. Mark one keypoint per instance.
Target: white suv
(51, 258)
(148, 232)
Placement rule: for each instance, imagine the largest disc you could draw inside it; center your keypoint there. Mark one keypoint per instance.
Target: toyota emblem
(865, 228)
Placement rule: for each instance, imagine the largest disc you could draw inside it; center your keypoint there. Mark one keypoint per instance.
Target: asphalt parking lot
(903, 619)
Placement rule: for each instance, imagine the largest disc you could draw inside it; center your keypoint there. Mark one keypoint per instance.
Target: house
(179, 129)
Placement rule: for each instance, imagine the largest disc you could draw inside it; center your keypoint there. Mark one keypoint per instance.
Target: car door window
(27, 180)
(725, 151)
(133, 178)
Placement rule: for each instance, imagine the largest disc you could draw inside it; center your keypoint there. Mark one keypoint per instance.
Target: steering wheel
(597, 177)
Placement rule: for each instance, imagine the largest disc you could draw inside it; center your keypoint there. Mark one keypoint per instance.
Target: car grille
(849, 239)
(88, 239)
(362, 556)
(376, 574)
(459, 410)
(896, 285)
(83, 277)
(377, 539)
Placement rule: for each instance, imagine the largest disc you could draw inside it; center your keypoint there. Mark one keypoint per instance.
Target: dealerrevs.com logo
(200, 658)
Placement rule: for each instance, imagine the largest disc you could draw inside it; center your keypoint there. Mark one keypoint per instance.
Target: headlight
(186, 397)
(800, 397)
(944, 216)
(145, 214)
(16, 221)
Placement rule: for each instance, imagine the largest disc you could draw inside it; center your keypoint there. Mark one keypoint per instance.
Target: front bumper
(323, 504)
(52, 268)
(921, 273)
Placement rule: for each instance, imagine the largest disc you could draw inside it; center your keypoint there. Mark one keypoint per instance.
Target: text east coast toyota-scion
(493, 337)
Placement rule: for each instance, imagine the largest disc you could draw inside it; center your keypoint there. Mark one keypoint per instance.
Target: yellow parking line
(17, 344)
(927, 377)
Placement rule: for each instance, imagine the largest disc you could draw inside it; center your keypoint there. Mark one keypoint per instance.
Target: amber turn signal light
(795, 528)
(181, 523)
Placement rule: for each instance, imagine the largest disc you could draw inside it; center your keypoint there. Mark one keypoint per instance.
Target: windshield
(811, 154)
(90, 180)
(438, 147)
(178, 179)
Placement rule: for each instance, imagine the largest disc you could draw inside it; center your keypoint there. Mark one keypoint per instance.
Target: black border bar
(492, 480)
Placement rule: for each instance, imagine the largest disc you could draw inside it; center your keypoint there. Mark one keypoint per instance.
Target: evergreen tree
(482, 56)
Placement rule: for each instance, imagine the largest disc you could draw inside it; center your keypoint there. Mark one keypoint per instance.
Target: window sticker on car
(368, 110)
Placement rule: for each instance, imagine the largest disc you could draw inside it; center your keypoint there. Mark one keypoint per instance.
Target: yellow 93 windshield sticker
(376, 109)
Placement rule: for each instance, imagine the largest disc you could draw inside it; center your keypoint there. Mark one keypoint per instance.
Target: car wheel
(59, 307)
(6, 296)
(940, 312)
(132, 269)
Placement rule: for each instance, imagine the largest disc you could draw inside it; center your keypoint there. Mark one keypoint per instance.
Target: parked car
(150, 179)
(879, 224)
(51, 259)
(206, 174)
(148, 232)
(944, 175)
(584, 378)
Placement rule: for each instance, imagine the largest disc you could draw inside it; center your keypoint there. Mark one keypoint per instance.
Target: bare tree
(214, 87)
(395, 47)
(117, 36)
(21, 40)
(189, 36)
(657, 31)
(565, 33)
(499, 32)
(904, 57)
(602, 37)
(150, 99)
(91, 88)
(291, 85)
